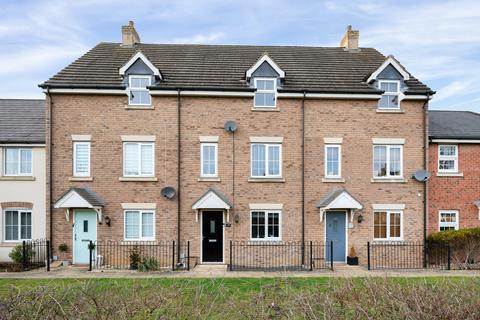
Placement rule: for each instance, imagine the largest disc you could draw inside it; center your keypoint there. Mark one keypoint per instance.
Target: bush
(148, 264)
(134, 258)
(17, 253)
(465, 245)
(63, 247)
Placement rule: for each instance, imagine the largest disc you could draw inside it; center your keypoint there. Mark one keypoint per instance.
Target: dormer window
(390, 97)
(139, 94)
(266, 94)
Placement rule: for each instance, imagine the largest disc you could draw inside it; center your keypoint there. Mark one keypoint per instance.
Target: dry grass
(228, 299)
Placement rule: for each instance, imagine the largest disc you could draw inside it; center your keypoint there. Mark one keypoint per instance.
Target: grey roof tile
(454, 125)
(321, 69)
(22, 121)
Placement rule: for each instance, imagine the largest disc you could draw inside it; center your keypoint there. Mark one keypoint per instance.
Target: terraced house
(213, 143)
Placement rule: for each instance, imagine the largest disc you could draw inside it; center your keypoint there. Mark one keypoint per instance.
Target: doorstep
(211, 268)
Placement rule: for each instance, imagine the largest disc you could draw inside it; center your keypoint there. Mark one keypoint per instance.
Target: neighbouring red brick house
(454, 160)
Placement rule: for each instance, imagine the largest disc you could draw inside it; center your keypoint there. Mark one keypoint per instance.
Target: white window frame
(388, 237)
(139, 89)
(19, 224)
(75, 144)
(388, 176)
(390, 93)
(140, 225)
(267, 238)
(280, 160)
(455, 224)
(339, 147)
(274, 91)
(139, 155)
(454, 158)
(208, 144)
(19, 163)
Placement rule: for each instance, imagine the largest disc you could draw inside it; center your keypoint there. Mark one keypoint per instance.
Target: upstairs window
(448, 158)
(81, 159)
(387, 161)
(208, 160)
(389, 98)
(266, 160)
(138, 159)
(138, 92)
(266, 94)
(333, 162)
(18, 162)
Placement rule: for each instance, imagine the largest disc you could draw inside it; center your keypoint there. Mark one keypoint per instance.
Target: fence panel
(277, 256)
(36, 254)
(161, 255)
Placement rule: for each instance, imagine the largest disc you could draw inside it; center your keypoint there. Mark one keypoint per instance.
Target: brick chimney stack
(350, 39)
(130, 36)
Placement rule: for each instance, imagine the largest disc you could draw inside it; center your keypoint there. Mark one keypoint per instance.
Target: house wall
(105, 118)
(18, 193)
(455, 193)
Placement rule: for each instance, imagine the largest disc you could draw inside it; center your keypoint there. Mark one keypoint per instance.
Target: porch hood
(338, 198)
(212, 199)
(80, 198)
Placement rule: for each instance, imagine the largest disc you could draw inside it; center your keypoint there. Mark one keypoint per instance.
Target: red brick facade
(106, 119)
(455, 192)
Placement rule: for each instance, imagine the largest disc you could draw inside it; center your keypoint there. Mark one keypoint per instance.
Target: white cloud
(200, 38)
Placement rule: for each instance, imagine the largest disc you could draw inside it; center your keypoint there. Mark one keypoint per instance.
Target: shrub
(465, 245)
(17, 253)
(63, 247)
(148, 264)
(134, 258)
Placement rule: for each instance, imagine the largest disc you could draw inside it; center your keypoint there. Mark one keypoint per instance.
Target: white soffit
(72, 200)
(141, 56)
(210, 201)
(267, 59)
(344, 201)
(390, 60)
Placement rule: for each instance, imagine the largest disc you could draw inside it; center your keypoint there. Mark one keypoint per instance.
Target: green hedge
(455, 236)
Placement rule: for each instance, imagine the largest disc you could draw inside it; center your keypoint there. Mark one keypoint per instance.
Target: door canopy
(338, 199)
(212, 199)
(80, 198)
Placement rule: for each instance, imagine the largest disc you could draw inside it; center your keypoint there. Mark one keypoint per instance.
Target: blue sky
(437, 41)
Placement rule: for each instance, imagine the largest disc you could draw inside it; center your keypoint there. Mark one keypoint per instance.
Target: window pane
(147, 224)
(273, 225)
(395, 226)
(209, 161)
(132, 225)
(380, 161)
(147, 159)
(446, 150)
(446, 165)
(25, 161)
(82, 158)
(264, 99)
(131, 159)
(11, 225)
(258, 160)
(395, 161)
(333, 157)
(380, 225)
(11, 161)
(274, 160)
(258, 225)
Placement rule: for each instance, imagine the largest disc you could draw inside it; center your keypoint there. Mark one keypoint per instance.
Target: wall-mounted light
(360, 218)
(237, 218)
(107, 220)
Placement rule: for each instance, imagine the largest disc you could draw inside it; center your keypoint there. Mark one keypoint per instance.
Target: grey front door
(336, 232)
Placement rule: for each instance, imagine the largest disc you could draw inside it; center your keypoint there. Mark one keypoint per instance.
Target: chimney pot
(350, 39)
(130, 36)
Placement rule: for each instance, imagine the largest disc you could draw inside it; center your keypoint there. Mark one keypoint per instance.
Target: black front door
(212, 232)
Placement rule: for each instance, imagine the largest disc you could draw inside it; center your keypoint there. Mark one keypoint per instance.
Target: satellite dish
(422, 175)
(230, 126)
(168, 192)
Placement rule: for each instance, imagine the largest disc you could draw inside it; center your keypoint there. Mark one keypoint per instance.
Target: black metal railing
(407, 255)
(280, 256)
(144, 255)
(35, 254)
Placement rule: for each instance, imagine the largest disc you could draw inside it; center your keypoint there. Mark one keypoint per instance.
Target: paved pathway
(220, 271)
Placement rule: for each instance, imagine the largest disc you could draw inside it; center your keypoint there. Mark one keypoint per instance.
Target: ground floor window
(139, 225)
(265, 225)
(448, 220)
(18, 225)
(388, 225)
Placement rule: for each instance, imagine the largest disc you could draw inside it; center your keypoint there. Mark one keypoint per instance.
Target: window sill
(208, 179)
(260, 109)
(138, 179)
(280, 180)
(137, 241)
(389, 241)
(80, 179)
(139, 107)
(390, 111)
(449, 174)
(17, 178)
(333, 180)
(10, 243)
(390, 180)
(260, 242)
